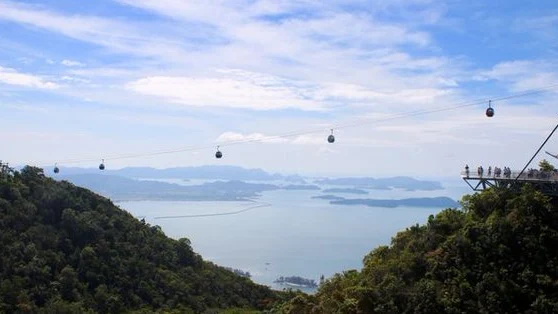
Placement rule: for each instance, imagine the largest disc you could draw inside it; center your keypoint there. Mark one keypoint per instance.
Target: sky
(85, 80)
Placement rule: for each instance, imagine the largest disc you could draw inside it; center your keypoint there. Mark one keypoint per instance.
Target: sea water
(287, 233)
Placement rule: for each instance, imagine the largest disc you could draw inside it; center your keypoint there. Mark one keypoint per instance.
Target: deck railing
(528, 175)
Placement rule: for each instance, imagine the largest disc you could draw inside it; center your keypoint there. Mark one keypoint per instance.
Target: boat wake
(262, 205)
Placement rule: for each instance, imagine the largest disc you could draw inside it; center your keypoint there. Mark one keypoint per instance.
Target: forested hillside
(497, 255)
(67, 250)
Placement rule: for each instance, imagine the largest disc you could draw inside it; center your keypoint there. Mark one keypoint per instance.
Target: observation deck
(544, 181)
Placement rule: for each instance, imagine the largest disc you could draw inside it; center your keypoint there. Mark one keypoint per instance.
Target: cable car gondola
(102, 165)
(56, 169)
(218, 154)
(331, 138)
(490, 110)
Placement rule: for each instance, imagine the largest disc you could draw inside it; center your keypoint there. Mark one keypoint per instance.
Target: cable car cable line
(366, 121)
(537, 152)
(354, 123)
(459, 106)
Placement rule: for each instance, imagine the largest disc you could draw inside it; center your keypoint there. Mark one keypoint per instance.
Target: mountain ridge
(126, 189)
(227, 172)
(497, 254)
(209, 172)
(68, 250)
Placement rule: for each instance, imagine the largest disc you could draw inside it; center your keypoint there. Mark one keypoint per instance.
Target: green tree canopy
(496, 255)
(68, 250)
(544, 165)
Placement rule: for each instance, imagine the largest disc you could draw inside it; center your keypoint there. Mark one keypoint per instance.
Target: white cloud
(13, 77)
(358, 29)
(231, 88)
(231, 137)
(25, 60)
(25, 107)
(119, 36)
(362, 93)
(327, 150)
(222, 92)
(542, 26)
(104, 72)
(326, 37)
(523, 74)
(73, 79)
(332, 45)
(71, 63)
(284, 138)
(309, 140)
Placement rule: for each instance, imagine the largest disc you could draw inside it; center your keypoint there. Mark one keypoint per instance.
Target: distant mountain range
(125, 189)
(201, 172)
(353, 185)
(123, 184)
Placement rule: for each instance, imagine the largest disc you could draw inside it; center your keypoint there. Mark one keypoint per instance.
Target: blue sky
(92, 79)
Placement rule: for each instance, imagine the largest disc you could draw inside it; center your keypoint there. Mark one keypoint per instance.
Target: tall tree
(544, 165)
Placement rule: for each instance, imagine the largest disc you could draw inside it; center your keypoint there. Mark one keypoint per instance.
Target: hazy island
(294, 187)
(406, 183)
(242, 183)
(443, 202)
(297, 282)
(345, 190)
(328, 197)
(126, 189)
